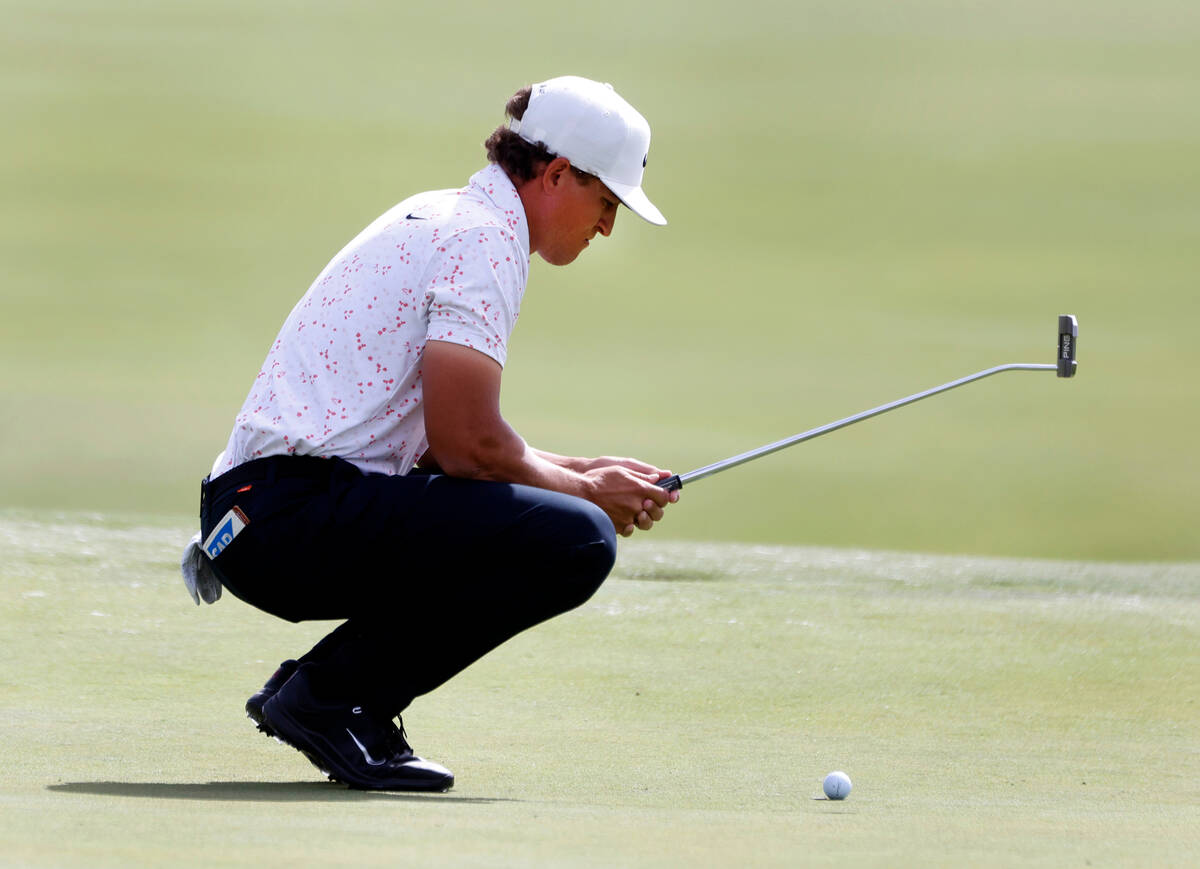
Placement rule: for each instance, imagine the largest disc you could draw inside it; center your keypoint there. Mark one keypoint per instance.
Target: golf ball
(837, 785)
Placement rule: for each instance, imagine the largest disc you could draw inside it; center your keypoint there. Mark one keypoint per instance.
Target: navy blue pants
(429, 572)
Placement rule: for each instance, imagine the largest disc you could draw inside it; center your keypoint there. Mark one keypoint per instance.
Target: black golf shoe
(348, 743)
(254, 706)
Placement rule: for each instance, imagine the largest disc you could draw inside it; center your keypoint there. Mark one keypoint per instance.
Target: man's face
(580, 210)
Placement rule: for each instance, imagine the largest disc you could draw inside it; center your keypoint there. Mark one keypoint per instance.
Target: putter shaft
(1068, 340)
(677, 481)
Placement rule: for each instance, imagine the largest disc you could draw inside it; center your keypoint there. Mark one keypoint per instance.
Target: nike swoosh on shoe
(366, 754)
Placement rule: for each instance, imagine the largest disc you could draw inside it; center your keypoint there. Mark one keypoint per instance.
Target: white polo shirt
(343, 377)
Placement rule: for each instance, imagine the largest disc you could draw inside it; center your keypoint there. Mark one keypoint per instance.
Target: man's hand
(620, 462)
(631, 498)
(651, 508)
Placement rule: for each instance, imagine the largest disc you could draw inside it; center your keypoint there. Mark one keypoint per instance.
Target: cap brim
(637, 202)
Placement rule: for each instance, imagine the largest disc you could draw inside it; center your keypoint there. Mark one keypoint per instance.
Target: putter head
(1068, 338)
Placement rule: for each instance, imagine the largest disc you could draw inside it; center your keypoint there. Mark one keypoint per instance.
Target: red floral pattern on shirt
(343, 377)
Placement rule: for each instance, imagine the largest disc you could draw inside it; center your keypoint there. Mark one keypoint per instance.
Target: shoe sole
(254, 706)
(255, 713)
(289, 731)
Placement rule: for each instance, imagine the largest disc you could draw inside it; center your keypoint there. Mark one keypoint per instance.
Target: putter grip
(671, 483)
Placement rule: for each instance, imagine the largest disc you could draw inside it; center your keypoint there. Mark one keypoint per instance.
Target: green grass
(990, 712)
(866, 199)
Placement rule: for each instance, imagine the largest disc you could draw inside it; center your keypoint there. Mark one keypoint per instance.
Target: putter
(1068, 338)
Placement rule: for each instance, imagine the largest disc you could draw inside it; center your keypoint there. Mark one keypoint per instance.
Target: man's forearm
(571, 463)
(503, 456)
(469, 438)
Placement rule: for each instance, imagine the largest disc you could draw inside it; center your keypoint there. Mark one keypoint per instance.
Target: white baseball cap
(599, 132)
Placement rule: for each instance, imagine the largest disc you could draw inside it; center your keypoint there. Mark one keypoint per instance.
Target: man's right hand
(632, 499)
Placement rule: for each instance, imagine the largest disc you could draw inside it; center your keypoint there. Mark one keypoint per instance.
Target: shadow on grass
(248, 791)
(671, 574)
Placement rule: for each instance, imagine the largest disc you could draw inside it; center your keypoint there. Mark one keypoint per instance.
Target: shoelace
(397, 741)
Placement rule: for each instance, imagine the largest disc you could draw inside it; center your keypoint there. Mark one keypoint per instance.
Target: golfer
(370, 476)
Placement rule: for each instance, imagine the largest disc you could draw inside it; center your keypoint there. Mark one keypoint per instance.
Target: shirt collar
(494, 185)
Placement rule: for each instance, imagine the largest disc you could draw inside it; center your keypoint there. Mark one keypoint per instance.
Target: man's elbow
(478, 458)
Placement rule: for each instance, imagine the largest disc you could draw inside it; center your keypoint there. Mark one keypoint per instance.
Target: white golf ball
(837, 785)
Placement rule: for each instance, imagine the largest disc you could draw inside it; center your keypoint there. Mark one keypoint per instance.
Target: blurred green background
(866, 199)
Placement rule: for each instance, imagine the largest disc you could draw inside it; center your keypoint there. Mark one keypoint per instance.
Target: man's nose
(607, 220)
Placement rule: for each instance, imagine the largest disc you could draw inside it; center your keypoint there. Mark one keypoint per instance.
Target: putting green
(990, 712)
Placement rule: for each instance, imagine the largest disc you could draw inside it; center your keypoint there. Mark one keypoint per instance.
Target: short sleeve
(474, 290)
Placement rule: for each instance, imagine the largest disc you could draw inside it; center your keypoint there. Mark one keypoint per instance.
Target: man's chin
(560, 258)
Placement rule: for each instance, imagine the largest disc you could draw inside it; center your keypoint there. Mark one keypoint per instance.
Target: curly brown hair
(520, 159)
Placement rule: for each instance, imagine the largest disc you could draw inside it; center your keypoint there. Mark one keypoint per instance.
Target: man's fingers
(623, 462)
(655, 493)
(653, 510)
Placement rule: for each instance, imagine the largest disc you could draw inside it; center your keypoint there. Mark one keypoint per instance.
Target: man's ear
(555, 173)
